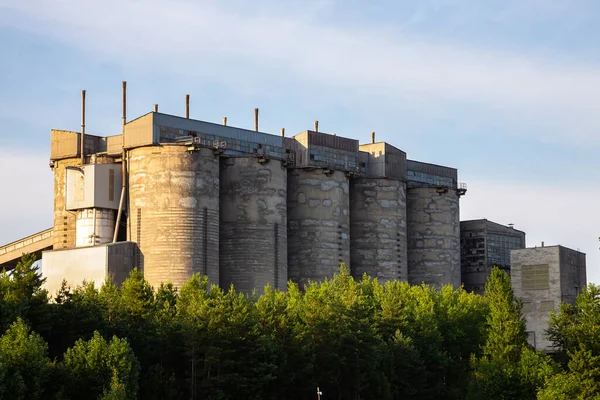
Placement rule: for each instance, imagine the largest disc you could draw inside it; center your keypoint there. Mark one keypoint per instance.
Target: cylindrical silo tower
(94, 226)
(174, 212)
(318, 224)
(378, 228)
(253, 231)
(433, 236)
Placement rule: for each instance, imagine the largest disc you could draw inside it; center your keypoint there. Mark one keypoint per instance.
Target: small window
(535, 277)
(312, 156)
(526, 306)
(531, 338)
(547, 306)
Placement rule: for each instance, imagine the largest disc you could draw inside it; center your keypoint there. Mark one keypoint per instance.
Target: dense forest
(352, 339)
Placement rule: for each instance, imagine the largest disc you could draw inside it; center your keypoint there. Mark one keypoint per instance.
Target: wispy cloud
(227, 42)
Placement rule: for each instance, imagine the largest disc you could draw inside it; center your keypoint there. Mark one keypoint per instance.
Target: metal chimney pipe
(187, 106)
(124, 103)
(316, 126)
(542, 244)
(224, 121)
(82, 127)
(372, 137)
(156, 108)
(256, 119)
(282, 132)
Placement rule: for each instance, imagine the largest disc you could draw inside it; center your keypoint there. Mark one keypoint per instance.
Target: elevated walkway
(11, 253)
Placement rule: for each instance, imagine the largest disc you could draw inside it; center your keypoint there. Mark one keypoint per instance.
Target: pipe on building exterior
(282, 132)
(316, 126)
(372, 137)
(224, 121)
(156, 108)
(94, 229)
(187, 106)
(82, 127)
(123, 174)
(256, 119)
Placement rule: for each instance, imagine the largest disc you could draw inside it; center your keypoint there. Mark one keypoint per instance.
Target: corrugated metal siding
(334, 142)
(432, 169)
(237, 141)
(139, 132)
(114, 144)
(63, 144)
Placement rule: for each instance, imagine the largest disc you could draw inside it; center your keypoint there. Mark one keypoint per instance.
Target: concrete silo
(174, 212)
(378, 214)
(319, 206)
(433, 225)
(253, 231)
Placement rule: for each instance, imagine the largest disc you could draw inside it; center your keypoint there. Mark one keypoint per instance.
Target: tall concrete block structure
(542, 277)
(174, 212)
(433, 225)
(253, 230)
(483, 245)
(318, 224)
(378, 214)
(319, 205)
(245, 208)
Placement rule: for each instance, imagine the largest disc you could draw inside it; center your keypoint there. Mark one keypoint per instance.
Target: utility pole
(319, 393)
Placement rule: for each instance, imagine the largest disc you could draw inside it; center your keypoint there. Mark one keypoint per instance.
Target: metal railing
(29, 240)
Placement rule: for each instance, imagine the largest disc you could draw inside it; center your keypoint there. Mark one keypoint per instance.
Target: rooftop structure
(483, 245)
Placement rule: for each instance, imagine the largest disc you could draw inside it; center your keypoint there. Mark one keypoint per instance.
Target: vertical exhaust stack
(224, 121)
(316, 126)
(124, 100)
(82, 127)
(372, 137)
(156, 108)
(256, 119)
(123, 167)
(282, 132)
(187, 106)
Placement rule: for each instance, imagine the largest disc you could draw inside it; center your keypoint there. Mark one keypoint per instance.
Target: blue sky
(506, 91)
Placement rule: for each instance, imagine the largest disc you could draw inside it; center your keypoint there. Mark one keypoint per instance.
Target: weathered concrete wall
(121, 260)
(573, 274)
(538, 302)
(318, 224)
(433, 226)
(174, 212)
(253, 231)
(378, 229)
(64, 221)
(91, 264)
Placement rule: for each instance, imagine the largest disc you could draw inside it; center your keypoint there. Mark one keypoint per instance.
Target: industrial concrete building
(247, 208)
(483, 245)
(543, 277)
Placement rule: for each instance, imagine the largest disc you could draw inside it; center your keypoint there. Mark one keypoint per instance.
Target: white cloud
(553, 214)
(232, 44)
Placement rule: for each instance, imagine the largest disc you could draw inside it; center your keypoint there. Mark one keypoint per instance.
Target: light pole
(319, 393)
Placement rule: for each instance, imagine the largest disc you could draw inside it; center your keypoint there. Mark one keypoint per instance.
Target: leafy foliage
(354, 339)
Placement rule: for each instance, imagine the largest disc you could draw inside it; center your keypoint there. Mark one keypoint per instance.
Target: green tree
(89, 367)
(21, 295)
(508, 368)
(24, 362)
